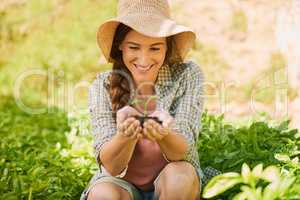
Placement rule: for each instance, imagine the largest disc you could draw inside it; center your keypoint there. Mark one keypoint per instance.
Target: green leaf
(271, 174)
(271, 191)
(284, 125)
(240, 196)
(252, 193)
(295, 160)
(257, 171)
(246, 173)
(221, 183)
(285, 184)
(282, 157)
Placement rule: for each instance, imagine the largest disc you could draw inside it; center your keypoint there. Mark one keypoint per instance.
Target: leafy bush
(38, 160)
(228, 149)
(258, 184)
(49, 156)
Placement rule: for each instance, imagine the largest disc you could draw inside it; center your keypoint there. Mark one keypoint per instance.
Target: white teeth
(143, 69)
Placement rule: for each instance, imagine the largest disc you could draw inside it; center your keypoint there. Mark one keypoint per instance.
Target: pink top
(146, 163)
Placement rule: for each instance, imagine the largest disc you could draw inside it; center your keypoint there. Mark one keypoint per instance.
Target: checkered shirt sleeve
(187, 118)
(102, 122)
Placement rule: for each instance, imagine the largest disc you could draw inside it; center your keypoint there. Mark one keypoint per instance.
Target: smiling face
(143, 56)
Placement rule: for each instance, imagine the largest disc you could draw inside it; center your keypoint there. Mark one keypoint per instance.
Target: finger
(121, 128)
(157, 130)
(147, 134)
(156, 127)
(129, 121)
(120, 118)
(164, 131)
(154, 114)
(137, 133)
(153, 132)
(126, 133)
(152, 122)
(124, 126)
(128, 130)
(168, 122)
(132, 127)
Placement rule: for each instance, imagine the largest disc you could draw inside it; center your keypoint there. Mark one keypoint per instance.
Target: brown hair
(119, 87)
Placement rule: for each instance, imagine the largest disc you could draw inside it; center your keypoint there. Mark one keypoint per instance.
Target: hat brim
(152, 26)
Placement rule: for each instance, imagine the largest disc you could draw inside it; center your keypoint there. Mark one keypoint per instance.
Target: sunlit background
(249, 51)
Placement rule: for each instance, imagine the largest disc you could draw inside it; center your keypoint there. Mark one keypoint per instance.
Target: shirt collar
(164, 77)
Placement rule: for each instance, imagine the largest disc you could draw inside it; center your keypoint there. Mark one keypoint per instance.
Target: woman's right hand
(128, 125)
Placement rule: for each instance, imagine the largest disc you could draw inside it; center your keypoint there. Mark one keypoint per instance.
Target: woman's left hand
(155, 131)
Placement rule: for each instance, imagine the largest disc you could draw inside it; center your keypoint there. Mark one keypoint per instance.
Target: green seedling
(145, 116)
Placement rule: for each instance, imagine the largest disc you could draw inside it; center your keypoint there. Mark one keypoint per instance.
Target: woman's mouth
(143, 69)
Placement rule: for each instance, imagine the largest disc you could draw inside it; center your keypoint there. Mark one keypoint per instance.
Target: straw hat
(148, 17)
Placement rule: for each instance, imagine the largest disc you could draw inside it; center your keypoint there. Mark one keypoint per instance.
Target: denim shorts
(134, 192)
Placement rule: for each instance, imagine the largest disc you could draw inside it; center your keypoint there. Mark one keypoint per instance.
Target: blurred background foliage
(49, 57)
(47, 50)
(55, 36)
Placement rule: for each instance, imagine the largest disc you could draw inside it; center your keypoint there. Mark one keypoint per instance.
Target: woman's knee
(108, 191)
(178, 179)
(180, 172)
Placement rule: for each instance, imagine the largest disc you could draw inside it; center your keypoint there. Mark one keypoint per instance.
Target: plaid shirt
(180, 92)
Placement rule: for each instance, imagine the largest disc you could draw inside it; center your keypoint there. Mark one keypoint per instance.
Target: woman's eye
(152, 49)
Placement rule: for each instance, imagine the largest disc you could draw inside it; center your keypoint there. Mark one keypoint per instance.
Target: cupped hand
(153, 130)
(131, 128)
(126, 112)
(127, 125)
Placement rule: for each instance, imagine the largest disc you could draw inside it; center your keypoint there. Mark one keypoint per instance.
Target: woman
(154, 159)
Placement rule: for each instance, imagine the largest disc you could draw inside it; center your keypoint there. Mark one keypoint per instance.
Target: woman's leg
(178, 181)
(108, 191)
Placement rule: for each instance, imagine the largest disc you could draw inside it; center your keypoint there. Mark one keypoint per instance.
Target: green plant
(145, 116)
(49, 156)
(43, 156)
(225, 147)
(145, 103)
(290, 163)
(258, 184)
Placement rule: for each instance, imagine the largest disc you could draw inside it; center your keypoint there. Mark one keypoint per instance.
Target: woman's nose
(143, 60)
